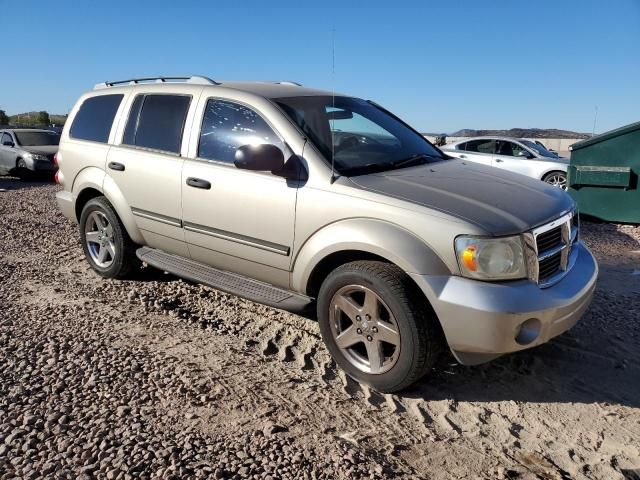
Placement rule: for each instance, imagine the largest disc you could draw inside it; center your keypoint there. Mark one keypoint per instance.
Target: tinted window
(95, 117)
(159, 123)
(227, 126)
(511, 149)
(32, 139)
(480, 146)
(6, 138)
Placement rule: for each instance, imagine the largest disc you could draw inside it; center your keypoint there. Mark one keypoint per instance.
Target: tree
(43, 118)
(4, 120)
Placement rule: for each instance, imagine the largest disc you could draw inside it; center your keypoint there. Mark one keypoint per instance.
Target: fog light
(528, 331)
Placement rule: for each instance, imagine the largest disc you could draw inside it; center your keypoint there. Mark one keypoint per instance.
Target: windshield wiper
(417, 159)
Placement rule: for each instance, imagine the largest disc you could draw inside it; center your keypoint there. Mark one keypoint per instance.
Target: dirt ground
(160, 378)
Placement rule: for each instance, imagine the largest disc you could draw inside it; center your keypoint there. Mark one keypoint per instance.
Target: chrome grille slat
(550, 250)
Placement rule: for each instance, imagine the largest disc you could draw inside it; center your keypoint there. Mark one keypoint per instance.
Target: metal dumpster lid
(605, 136)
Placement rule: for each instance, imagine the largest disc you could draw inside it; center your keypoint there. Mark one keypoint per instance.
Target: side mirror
(261, 158)
(8, 143)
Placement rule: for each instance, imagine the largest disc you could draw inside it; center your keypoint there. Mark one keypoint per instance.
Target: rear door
(479, 151)
(147, 165)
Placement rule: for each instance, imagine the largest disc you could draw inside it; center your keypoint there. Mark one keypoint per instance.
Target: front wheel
(22, 171)
(105, 241)
(377, 325)
(557, 179)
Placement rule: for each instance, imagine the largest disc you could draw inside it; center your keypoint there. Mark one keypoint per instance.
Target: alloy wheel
(364, 329)
(98, 233)
(557, 180)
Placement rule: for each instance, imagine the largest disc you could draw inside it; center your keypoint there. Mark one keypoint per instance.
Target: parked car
(514, 154)
(297, 198)
(24, 152)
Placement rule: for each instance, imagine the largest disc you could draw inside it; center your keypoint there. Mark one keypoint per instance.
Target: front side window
(95, 117)
(480, 146)
(226, 126)
(157, 122)
(359, 136)
(6, 138)
(540, 148)
(33, 139)
(511, 149)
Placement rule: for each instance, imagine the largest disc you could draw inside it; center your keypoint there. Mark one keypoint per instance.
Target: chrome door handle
(198, 183)
(499, 161)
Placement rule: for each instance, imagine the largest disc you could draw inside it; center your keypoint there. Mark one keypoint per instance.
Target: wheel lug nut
(358, 318)
(367, 316)
(375, 329)
(370, 338)
(359, 331)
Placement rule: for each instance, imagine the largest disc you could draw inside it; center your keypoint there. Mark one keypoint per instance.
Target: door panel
(244, 215)
(150, 182)
(507, 159)
(479, 151)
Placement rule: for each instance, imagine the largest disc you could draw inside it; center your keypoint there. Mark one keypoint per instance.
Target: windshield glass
(361, 137)
(33, 139)
(539, 148)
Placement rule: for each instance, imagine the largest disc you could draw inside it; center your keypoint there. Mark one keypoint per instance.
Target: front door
(237, 220)
(479, 151)
(513, 157)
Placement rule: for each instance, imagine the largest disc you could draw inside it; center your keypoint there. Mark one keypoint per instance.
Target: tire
(102, 231)
(22, 171)
(419, 338)
(557, 179)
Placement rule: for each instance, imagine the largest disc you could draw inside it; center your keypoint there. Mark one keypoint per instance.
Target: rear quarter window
(95, 117)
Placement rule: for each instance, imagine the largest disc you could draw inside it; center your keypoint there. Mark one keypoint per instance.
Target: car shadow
(14, 183)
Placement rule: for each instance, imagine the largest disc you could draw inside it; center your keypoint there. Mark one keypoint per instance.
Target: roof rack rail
(287, 82)
(195, 79)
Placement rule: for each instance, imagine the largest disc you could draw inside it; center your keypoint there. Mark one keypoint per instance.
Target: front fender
(384, 239)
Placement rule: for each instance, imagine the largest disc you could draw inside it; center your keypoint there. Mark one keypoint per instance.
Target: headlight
(491, 258)
(35, 156)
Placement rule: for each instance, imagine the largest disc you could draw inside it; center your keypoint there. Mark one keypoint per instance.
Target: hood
(46, 150)
(498, 201)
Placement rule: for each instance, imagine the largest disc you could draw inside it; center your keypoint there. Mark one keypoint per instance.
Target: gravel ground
(160, 378)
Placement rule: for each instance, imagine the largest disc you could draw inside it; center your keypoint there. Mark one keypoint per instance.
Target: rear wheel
(377, 325)
(557, 179)
(105, 241)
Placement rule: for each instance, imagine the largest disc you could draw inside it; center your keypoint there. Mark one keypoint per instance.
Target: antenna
(333, 99)
(595, 118)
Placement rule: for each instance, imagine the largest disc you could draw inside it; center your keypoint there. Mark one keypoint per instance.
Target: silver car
(298, 198)
(514, 154)
(28, 151)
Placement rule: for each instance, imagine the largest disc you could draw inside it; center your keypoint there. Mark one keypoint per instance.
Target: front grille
(549, 266)
(549, 239)
(552, 247)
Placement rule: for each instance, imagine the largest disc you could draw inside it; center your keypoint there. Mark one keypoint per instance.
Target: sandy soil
(161, 378)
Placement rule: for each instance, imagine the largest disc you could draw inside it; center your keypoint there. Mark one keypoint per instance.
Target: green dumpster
(603, 175)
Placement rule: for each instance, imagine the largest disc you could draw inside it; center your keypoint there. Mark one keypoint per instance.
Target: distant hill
(30, 118)
(521, 133)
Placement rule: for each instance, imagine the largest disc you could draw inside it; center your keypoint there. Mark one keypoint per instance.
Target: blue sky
(441, 66)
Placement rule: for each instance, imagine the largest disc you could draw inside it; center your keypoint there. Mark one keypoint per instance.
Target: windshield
(360, 137)
(539, 148)
(33, 139)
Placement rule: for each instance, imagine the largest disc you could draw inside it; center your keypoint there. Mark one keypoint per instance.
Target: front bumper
(44, 166)
(483, 320)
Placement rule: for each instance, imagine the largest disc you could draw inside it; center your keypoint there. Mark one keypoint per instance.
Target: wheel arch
(361, 239)
(92, 182)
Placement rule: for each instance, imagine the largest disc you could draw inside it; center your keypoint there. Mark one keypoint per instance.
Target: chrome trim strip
(550, 252)
(234, 237)
(174, 222)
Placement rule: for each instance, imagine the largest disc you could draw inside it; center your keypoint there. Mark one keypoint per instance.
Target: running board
(225, 281)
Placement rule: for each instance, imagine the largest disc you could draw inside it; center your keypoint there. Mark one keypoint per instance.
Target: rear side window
(157, 122)
(95, 117)
(227, 126)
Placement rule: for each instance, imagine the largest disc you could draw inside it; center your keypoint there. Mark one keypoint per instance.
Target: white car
(514, 154)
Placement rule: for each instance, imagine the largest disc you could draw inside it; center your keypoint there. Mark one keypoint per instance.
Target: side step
(225, 281)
